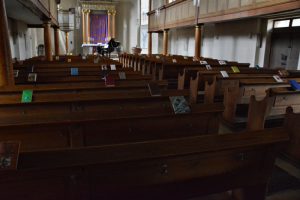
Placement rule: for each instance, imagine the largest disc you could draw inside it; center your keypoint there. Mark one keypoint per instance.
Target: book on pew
(69, 60)
(113, 67)
(235, 69)
(27, 96)
(32, 77)
(174, 61)
(224, 74)
(154, 89)
(295, 85)
(180, 105)
(74, 72)
(83, 57)
(96, 60)
(16, 73)
(222, 62)
(9, 155)
(57, 58)
(32, 68)
(203, 62)
(208, 67)
(185, 58)
(277, 79)
(103, 67)
(122, 75)
(109, 81)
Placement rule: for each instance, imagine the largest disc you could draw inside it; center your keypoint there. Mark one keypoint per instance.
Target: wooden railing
(48, 8)
(183, 12)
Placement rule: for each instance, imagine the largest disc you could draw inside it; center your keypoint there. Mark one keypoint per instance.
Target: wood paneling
(183, 12)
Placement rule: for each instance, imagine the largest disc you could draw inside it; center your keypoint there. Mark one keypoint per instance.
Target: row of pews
(83, 137)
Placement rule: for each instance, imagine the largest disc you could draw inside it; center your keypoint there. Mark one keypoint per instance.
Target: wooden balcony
(183, 12)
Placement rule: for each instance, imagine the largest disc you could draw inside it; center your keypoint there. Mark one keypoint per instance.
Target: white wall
(236, 41)
(243, 41)
(182, 41)
(127, 24)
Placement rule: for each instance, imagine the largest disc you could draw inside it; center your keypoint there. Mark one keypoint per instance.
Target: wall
(182, 41)
(236, 41)
(243, 41)
(23, 40)
(127, 24)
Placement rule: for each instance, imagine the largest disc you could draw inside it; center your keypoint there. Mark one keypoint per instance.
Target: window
(282, 24)
(144, 25)
(296, 22)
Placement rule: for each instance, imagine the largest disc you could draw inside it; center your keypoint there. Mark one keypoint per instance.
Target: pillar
(67, 43)
(56, 41)
(88, 28)
(6, 65)
(197, 41)
(83, 27)
(149, 43)
(47, 40)
(108, 24)
(113, 23)
(166, 42)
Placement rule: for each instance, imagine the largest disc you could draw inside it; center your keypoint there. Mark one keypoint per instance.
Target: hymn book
(9, 154)
(277, 79)
(224, 74)
(295, 85)
(32, 77)
(109, 81)
(180, 105)
(74, 72)
(235, 69)
(113, 67)
(208, 67)
(154, 89)
(16, 73)
(222, 62)
(27, 96)
(122, 75)
(203, 62)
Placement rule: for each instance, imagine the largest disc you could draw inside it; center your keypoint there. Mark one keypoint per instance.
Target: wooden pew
(178, 168)
(241, 95)
(273, 105)
(292, 125)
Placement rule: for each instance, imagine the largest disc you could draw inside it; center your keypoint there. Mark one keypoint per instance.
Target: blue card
(74, 72)
(295, 85)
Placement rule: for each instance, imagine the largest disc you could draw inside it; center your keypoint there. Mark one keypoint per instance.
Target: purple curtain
(98, 28)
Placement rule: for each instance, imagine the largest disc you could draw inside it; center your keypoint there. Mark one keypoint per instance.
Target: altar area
(98, 24)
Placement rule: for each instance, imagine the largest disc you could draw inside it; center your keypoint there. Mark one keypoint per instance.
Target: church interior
(150, 99)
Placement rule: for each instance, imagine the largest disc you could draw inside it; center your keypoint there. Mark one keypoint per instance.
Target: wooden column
(67, 43)
(166, 42)
(198, 41)
(113, 24)
(88, 28)
(56, 41)
(83, 27)
(149, 43)
(108, 24)
(47, 40)
(6, 66)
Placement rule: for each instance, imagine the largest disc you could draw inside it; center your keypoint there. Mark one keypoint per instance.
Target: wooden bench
(240, 95)
(273, 105)
(177, 168)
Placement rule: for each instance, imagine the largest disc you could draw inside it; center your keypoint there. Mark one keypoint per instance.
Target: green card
(235, 69)
(27, 96)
